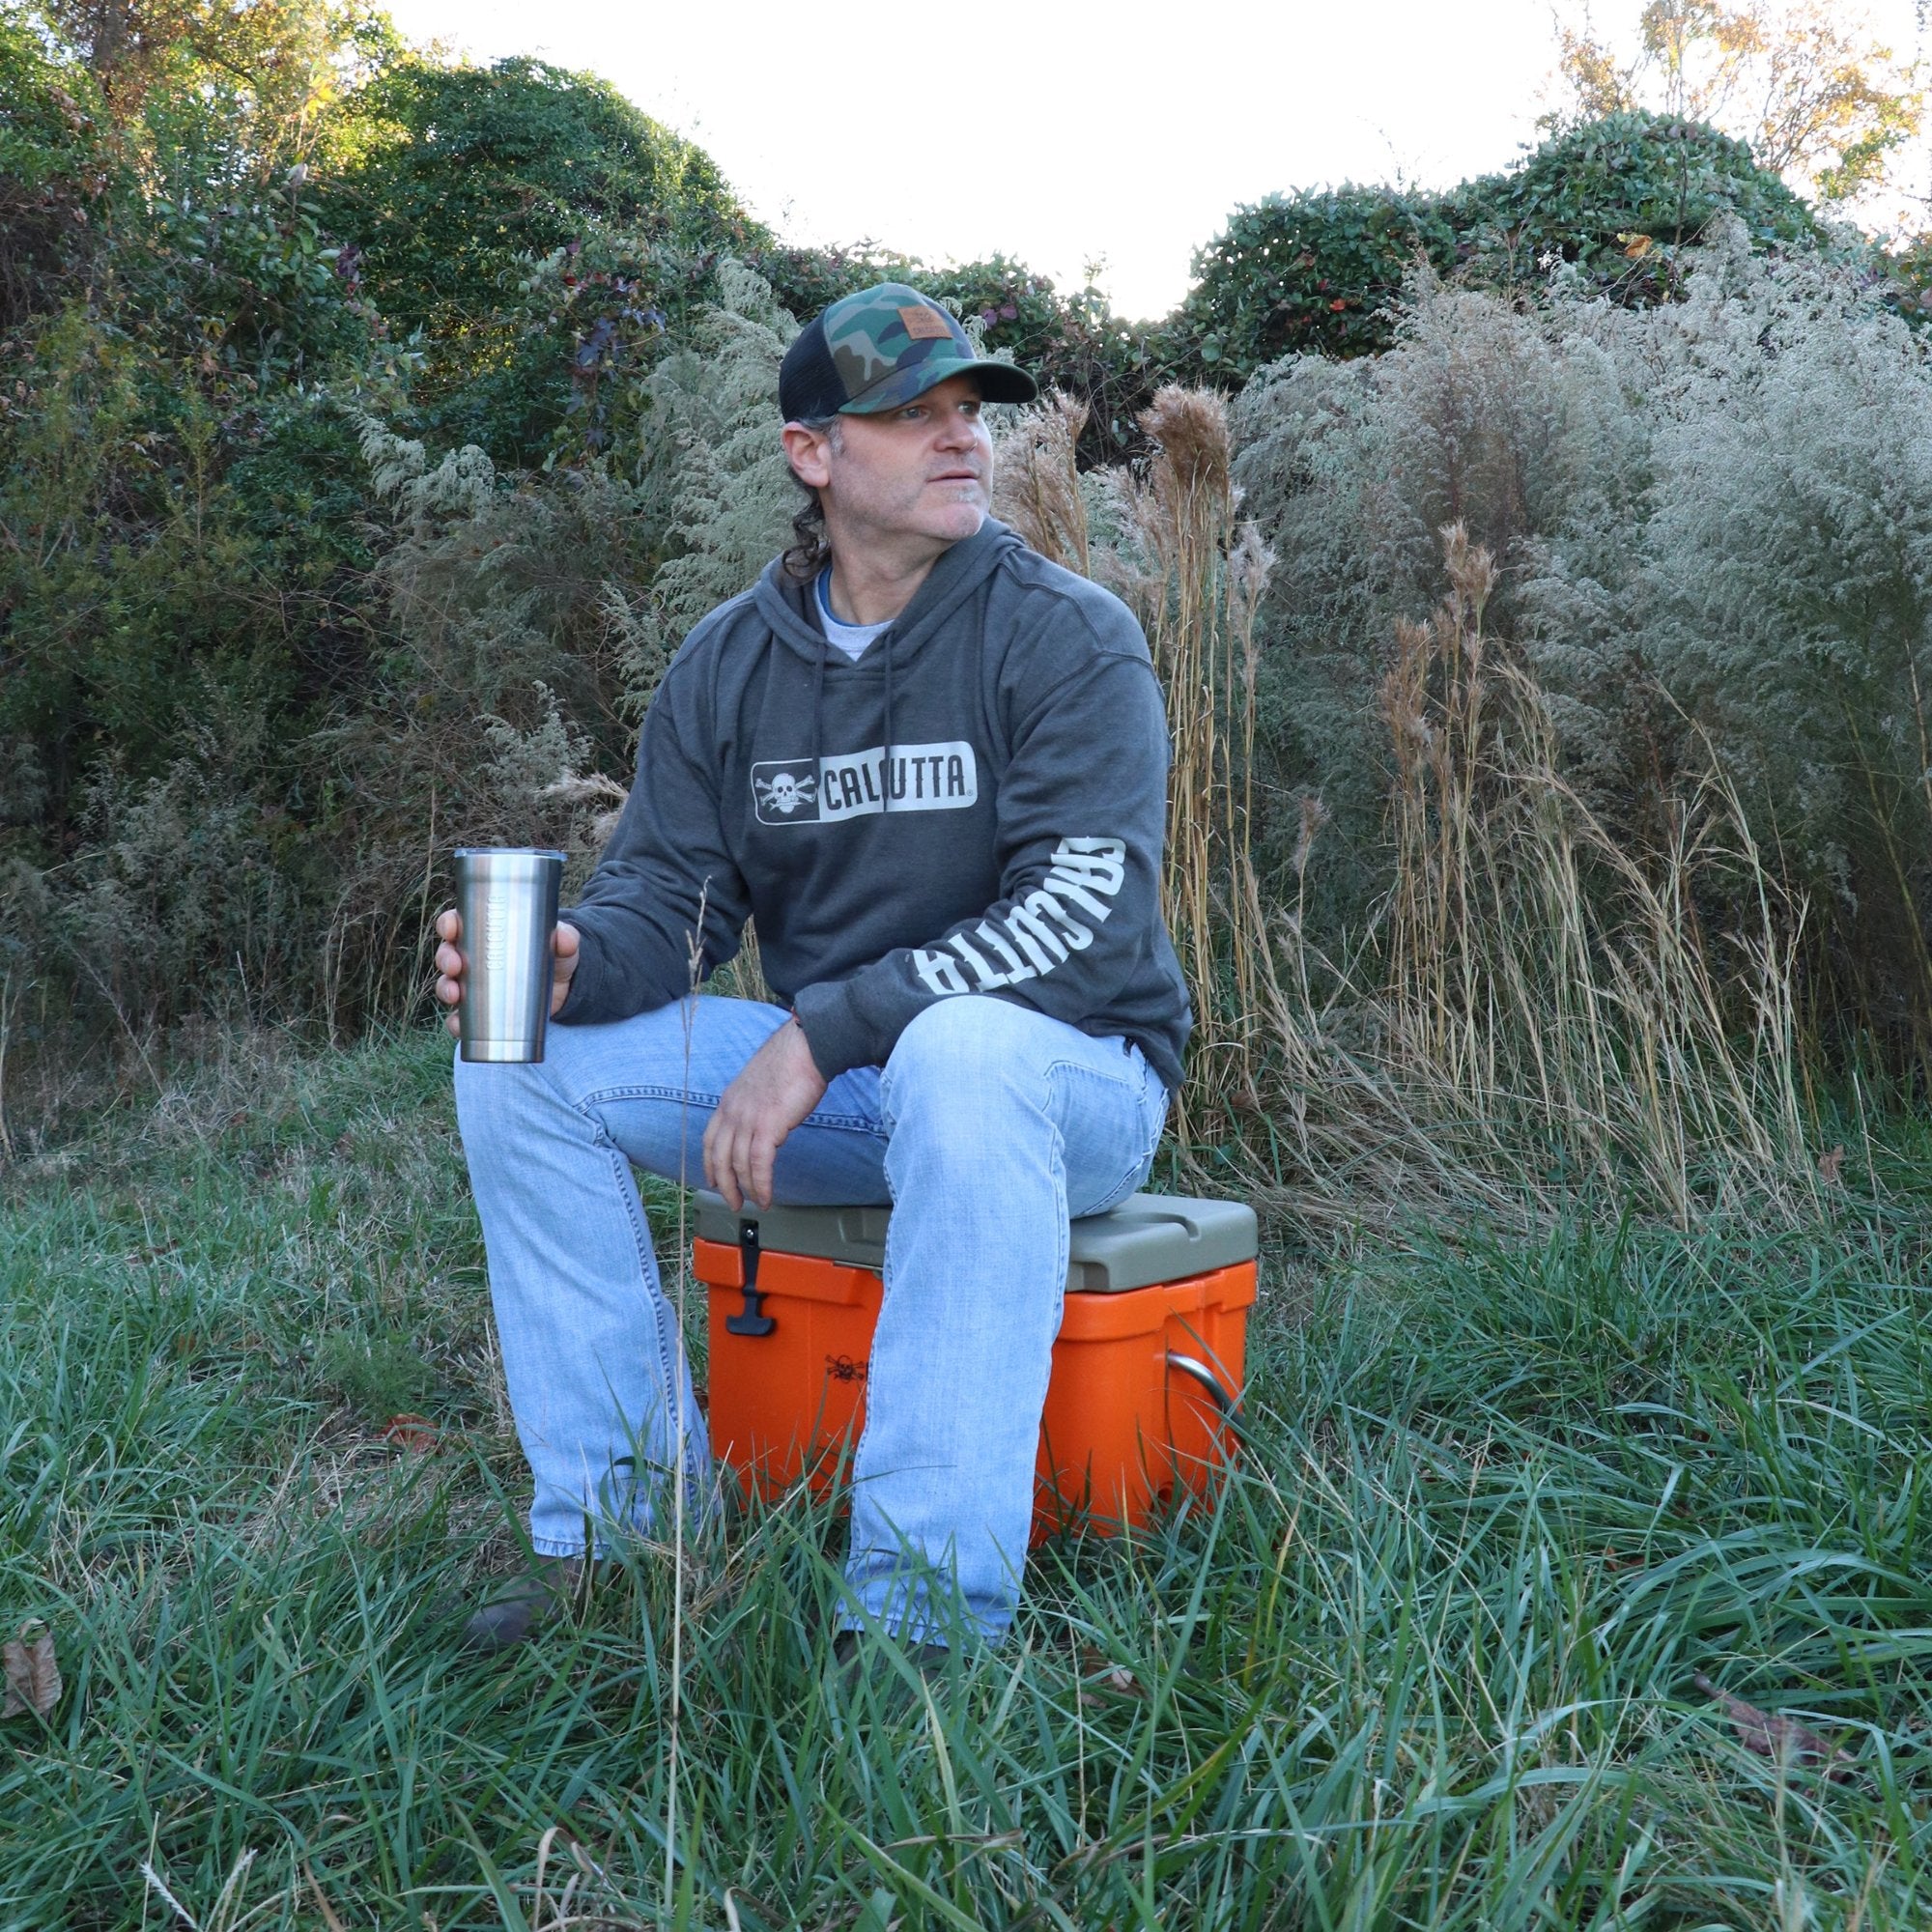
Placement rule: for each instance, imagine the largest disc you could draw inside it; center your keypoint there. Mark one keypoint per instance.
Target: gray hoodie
(975, 806)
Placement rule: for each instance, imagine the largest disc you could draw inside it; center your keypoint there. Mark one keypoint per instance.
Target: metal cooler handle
(1199, 1371)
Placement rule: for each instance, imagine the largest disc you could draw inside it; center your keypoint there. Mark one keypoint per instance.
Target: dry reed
(1194, 576)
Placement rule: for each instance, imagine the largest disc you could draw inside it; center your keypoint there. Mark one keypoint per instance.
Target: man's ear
(807, 451)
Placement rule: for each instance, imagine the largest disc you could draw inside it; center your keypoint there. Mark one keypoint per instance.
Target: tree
(465, 172)
(1803, 83)
(270, 73)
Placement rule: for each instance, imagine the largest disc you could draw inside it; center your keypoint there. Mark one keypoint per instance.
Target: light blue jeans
(988, 1127)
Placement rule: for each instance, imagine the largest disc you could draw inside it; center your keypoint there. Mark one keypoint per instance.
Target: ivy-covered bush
(1618, 203)
(464, 176)
(463, 171)
(1311, 273)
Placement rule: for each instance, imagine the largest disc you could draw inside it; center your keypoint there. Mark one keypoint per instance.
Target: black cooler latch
(748, 1320)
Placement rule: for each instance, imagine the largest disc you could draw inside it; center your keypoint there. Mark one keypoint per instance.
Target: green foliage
(1308, 272)
(241, 710)
(1614, 205)
(59, 171)
(1619, 202)
(463, 176)
(465, 170)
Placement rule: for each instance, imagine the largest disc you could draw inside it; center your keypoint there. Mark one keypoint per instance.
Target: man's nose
(957, 431)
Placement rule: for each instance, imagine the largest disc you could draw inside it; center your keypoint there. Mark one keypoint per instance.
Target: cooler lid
(1148, 1237)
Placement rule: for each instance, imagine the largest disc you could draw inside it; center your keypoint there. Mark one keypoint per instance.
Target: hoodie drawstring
(886, 764)
(818, 718)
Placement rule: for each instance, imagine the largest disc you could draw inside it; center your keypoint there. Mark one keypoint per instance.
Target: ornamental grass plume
(1201, 578)
(1037, 482)
(1176, 551)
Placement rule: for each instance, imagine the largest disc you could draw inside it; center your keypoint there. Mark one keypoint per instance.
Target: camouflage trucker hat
(881, 348)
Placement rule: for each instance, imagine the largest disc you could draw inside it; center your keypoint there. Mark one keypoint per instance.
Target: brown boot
(859, 1658)
(525, 1602)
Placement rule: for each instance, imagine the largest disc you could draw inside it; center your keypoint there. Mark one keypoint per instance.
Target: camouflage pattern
(890, 344)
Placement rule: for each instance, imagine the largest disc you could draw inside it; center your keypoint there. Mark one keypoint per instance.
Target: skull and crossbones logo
(784, 793)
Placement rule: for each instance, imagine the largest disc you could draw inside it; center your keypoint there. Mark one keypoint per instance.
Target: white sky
(1058, 134)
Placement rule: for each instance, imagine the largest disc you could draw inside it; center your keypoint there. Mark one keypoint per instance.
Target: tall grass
(1542, 1011)
(1426, 1659)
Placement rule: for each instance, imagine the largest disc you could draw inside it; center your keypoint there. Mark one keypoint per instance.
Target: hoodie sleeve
(1081, 816)
(664, 868)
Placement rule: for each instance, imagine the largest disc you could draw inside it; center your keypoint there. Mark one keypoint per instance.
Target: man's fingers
(720, 1175)
(449, 925)
(763, 1155)
(745, 1166)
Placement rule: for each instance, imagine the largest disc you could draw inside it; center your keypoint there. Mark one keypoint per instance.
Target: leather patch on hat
(924, 325)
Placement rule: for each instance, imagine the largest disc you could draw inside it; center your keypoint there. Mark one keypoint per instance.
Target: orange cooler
(1147, 1368)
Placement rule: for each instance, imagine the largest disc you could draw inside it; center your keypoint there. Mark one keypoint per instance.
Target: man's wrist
(794, 1021)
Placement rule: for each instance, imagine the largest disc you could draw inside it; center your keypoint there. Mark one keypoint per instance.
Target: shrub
(1616, 203)
(469, 176)
(1312, 272)
(1619, 201)
(465, 170)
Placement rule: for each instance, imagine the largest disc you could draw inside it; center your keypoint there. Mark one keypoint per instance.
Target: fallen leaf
(1771, 1734)
(1101, 1674)
(1832, 1165)
(411, 1432)
(33, 1677)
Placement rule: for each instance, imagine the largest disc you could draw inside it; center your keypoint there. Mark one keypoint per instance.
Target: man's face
(922, 474)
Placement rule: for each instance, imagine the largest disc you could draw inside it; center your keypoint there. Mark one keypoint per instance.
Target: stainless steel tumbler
(506, 897)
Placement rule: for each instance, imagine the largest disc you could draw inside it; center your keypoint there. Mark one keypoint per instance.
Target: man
(932, 767)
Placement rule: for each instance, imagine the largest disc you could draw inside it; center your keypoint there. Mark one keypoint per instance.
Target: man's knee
(967, 1053)
(494, 1097)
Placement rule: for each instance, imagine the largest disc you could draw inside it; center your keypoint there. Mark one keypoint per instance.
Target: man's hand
(563, 943)
(779, 1086)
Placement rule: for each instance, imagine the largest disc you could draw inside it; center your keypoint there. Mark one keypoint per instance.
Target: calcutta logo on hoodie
(916, 777)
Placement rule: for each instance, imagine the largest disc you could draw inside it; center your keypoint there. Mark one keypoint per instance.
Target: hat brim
(999, 383)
